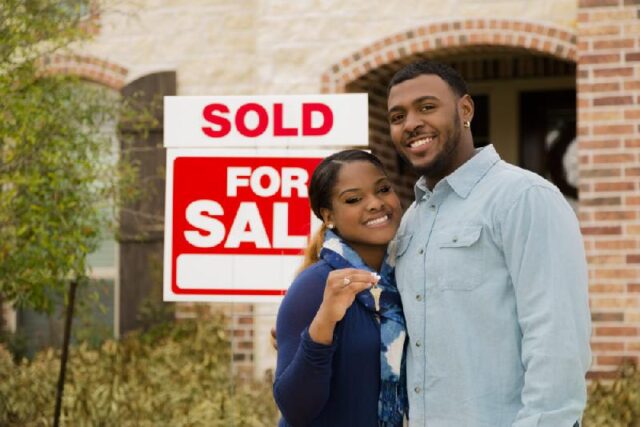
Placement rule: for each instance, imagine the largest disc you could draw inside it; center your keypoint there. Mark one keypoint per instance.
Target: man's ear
(466, 108)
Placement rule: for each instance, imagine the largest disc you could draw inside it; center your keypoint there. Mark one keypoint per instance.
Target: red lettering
(327, 115)
(278, 127)
(263, 120)
(209, 115)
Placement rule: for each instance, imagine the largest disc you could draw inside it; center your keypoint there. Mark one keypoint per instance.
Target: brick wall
(609, 148)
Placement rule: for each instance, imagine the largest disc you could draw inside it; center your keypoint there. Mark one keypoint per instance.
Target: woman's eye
(352, 200)
(385, 189)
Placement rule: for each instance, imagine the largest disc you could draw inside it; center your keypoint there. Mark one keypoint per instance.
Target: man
(491, 269)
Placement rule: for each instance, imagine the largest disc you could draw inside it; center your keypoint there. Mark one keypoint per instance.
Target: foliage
(181, 378)
(59, 173)
(617, 403)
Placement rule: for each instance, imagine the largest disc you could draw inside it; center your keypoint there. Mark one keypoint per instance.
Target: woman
(340, 327)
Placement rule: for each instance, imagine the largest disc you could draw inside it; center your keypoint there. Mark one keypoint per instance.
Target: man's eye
(396, 118)
(427, 107)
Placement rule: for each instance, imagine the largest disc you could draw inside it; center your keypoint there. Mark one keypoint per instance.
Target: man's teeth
(420, 142)
(378, 220)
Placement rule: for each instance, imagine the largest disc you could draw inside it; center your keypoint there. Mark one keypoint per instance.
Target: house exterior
(557, 90)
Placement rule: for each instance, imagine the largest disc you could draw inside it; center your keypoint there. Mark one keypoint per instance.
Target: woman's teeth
(378, 220)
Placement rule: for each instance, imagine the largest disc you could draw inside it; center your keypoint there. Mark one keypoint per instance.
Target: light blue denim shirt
(492, 272)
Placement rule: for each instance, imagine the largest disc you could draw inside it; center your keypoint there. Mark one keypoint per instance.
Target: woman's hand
(340, 291)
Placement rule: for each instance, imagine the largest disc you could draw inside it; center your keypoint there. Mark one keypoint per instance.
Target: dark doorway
(548, 137)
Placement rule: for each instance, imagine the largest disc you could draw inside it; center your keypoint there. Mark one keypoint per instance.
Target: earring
(466, 124)
(330, 226)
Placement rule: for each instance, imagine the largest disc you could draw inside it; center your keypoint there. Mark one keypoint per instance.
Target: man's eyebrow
(415, 101)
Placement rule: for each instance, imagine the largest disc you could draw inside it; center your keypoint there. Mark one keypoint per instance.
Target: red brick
(615, 186)
(632, 200)
(613, 100)
(601, 201)
(632, 172)
(616, 273)
(613, 360)
(589, 231)
(612, 158)
(633, 288)
(599, 58)
(607, 317)
(613, 44)
(604, 288)
(597, 3)
(617, 331)
(600, 173)
(632, 143)
(613, 72)
(615, 215)
(607, 346)
(633, 259)
(618, 244)
(632, 114)
(632, 85)
(632, 57)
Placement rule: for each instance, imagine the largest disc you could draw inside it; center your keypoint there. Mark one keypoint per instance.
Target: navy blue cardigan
(333, 385)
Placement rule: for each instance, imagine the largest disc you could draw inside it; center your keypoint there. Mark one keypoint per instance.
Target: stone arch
(447, 37)
(87, 67)
(481, 49)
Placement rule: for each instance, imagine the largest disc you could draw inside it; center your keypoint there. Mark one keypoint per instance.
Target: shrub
(178, 377)
(615, 403)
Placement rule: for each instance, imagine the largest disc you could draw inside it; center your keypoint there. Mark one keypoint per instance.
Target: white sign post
(237, 214)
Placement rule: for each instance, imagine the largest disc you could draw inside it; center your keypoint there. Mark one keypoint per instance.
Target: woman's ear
(327, 217)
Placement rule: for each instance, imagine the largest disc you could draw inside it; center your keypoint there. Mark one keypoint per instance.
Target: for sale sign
(237, 215)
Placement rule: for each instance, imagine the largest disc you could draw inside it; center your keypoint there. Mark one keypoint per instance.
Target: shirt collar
(463, 179)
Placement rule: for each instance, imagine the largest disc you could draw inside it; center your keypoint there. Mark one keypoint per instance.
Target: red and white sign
(239, 224)
(266, 121)
(238, 219)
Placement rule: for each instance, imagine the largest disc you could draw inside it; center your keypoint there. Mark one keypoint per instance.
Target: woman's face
(364, 207)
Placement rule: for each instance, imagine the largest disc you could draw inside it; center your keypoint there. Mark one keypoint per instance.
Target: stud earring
(466, 124)
(330, 226)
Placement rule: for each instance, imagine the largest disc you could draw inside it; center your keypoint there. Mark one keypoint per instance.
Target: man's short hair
(444, 71)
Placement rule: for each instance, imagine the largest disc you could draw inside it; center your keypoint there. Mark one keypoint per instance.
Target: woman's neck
(371, 255)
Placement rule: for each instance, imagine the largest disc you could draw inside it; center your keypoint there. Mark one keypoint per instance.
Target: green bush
(176, 376)
(615, 403)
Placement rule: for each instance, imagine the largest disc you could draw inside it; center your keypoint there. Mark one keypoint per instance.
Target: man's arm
(545, 256)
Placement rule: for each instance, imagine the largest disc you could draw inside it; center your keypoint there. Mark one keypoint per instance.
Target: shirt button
(421, 251)
(433, 207)
(417, 390)
(455, 239)
(419, 297)
(418, 343)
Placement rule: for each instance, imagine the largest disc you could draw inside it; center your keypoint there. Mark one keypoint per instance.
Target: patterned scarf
(392, 402)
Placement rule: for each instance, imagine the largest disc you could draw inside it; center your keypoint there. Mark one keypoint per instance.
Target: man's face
(425, 125)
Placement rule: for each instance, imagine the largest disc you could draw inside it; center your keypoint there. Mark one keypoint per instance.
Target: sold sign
(237, 214)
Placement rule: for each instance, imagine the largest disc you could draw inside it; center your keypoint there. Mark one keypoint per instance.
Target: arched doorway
(521, 76)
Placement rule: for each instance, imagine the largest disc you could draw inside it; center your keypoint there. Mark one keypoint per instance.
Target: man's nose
(413, 123)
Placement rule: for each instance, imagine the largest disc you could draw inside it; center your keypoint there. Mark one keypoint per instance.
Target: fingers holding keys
(340, 291)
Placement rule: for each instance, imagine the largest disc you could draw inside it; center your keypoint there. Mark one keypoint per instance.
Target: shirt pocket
(459, 258)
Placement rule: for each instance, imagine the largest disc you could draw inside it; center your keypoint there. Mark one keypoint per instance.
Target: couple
(470, 311)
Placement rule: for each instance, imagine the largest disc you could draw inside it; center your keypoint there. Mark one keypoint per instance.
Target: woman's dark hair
(418, 68)
(325, 176)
